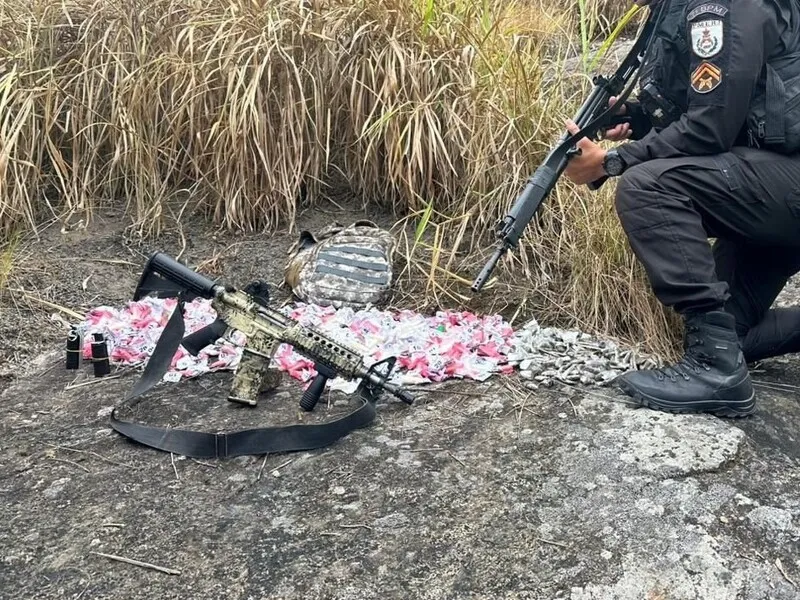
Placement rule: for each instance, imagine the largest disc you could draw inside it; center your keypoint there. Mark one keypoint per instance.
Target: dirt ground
(80, 268)
(476, 491)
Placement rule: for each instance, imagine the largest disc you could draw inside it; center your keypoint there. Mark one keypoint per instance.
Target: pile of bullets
(548, 355)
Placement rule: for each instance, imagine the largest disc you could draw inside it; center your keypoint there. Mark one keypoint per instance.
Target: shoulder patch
(707, 37)
(710, 7)
(706, 77)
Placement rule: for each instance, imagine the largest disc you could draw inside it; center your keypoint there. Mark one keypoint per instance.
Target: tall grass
(429, 108)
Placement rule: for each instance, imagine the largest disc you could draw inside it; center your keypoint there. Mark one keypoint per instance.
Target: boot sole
(719, 408)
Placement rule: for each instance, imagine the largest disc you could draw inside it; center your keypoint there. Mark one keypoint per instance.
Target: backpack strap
(352, 262)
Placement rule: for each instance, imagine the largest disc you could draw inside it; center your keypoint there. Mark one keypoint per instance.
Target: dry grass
(8, 258)
(242, 109)
(604, 14)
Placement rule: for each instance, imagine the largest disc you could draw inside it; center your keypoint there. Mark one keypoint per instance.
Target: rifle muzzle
(486, 272)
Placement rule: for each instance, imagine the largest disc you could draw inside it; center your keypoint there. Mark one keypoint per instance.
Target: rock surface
(476, 491)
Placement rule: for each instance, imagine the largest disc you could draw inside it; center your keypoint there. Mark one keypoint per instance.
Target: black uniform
(727, 168)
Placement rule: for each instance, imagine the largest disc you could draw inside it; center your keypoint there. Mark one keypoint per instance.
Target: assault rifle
(264, 328)
(593, 116)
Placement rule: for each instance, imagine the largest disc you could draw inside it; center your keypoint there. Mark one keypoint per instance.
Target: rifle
(594, 115)
(264, 328)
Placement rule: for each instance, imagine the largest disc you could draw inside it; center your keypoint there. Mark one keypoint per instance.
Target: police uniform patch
(706, 77)
(712, 8)
(706, 37)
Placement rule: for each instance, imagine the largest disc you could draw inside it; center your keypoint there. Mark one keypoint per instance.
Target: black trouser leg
(756, 276)
(670, 207)
(776, 335)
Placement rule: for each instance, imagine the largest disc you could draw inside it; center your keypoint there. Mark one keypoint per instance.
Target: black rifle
(594, 115)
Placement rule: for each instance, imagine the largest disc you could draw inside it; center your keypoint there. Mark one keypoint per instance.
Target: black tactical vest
(773, 121)
(664, 75)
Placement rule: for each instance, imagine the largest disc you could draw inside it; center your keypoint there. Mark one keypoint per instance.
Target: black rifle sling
(198, 444)
(165, 349)
(264, 440)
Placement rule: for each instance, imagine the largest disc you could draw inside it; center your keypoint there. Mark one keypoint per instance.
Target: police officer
(716, 156)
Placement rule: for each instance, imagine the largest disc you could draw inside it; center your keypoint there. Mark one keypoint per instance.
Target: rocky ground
(476, 491)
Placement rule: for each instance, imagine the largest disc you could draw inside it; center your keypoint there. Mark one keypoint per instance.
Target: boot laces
(694, 359)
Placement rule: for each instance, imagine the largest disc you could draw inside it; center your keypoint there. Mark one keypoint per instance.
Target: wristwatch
(613, 164)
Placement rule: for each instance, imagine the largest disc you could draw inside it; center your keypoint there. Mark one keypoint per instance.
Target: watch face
(613, 164)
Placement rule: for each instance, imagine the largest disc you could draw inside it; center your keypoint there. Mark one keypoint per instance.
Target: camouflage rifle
(265, 329)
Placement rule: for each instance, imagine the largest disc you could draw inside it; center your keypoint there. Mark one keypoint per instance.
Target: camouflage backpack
(342, 266)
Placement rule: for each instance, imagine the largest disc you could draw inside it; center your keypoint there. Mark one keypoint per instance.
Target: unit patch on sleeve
(706, 77)
(711, 8)
(706, 37)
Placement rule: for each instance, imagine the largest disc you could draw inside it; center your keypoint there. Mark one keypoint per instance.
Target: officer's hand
(588, 165)
(620, 132)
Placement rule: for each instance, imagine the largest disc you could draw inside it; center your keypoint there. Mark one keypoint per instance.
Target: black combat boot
(712, 376)
(776, 335)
